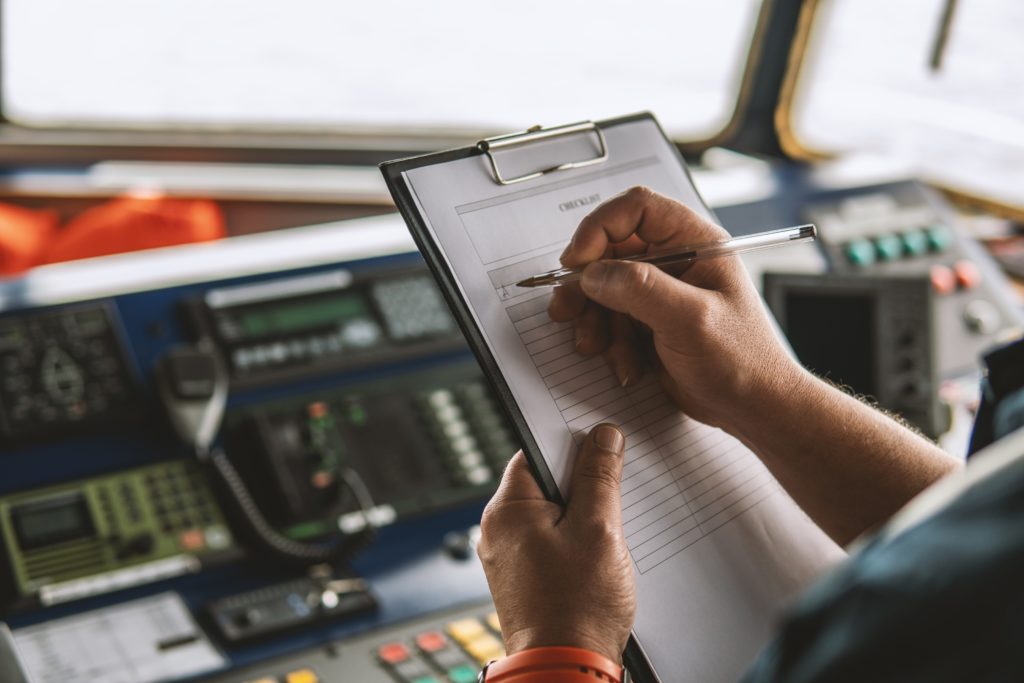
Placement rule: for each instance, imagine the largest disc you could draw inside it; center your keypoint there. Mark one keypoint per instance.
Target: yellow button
(262, 680)
(485, 648)
(465, 630)
(492, 621)
(302, 676)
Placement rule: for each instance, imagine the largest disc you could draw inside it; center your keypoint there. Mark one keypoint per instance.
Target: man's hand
(715, 350)
(562, 576)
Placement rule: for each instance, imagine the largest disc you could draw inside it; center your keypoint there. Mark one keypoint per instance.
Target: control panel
(872, 335)
(905, 229)
(111, 532)
(60, 369)
(298, 326)
(420, 441)
(448, 647)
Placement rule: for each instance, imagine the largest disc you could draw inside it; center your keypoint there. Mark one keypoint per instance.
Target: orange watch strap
(541, 664)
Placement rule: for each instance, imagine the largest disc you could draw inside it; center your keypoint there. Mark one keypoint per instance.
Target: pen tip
(528, 282)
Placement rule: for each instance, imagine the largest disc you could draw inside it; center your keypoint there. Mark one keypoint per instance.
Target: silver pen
(690, 252)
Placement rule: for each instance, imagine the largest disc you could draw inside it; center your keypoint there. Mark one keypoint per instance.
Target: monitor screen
(833, 335)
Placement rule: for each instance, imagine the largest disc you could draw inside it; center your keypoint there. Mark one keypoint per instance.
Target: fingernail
(594, 276)
(624, 378)
(609, 438)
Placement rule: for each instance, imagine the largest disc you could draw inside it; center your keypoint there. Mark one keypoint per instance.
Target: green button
(915, 242)
(939, 237)
(889, 247)
(860, 252)
(463, 673)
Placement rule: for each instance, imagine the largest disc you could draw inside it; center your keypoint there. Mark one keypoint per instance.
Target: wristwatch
(570, 663)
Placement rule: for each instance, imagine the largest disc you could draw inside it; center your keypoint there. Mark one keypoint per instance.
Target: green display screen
(292, 316)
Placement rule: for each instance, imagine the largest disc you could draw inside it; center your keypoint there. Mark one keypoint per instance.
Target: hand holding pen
(688, 253)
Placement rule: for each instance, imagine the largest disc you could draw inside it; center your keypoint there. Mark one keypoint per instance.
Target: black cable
(340, 548)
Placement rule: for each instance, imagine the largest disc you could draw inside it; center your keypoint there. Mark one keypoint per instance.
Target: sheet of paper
(143, 641)
(717, 546)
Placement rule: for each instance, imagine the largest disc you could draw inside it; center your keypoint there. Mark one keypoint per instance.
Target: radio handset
(193, 385)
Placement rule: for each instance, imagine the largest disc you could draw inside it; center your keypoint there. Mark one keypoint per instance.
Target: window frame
(796, 149)
(45, 146)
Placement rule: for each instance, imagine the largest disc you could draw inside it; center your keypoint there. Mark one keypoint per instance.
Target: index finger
(656, 219)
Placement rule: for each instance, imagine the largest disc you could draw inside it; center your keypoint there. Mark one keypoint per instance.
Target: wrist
(562, 664)
(779, 384)
(525, 639)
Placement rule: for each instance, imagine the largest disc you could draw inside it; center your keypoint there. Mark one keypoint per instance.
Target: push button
(492, 621)
(967, 274)
(915, 242)
(393, 653)
(431, 641)
(465, 630)
(943, 279)
(302, 676)
(485, 648)
(860, 252)
(939, 237)
(462, 674)
(889, 247)
(412, 670)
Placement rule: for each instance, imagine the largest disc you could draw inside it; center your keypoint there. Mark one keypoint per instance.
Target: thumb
(596, 475)
(640, 290)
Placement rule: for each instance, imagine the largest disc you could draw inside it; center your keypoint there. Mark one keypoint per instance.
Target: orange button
(393, 653)
(967, 274)
(431, 641)
(943, 279)
(192, 539)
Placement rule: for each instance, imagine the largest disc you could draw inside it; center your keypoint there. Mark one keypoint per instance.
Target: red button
(943, 279)
(431, 641)
(967, 274)
(393, 653)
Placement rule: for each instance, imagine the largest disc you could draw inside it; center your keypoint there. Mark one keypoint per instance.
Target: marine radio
(75, 540)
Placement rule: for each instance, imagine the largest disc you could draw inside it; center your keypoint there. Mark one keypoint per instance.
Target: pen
(690, 252)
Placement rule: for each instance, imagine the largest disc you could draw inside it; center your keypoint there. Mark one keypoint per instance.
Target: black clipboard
(634, 659)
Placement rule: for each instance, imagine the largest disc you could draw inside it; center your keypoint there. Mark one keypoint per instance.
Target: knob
(981, 317)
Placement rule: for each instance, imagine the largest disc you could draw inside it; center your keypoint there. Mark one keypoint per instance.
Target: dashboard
(352, 406)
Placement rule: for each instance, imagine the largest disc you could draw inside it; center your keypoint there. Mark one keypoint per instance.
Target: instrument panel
(345, 358)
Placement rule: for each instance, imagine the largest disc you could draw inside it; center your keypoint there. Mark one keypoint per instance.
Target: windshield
(878, 76)
(456, 64)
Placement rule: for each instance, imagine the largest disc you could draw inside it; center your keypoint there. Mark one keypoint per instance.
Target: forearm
(849, 466)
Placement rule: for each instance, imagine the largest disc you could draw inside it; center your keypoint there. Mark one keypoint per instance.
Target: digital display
(52, 520)
(834, 336)
(291, 316)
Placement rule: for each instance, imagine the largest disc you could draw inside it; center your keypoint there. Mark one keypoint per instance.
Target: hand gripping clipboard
(494, 179)
(491, 149)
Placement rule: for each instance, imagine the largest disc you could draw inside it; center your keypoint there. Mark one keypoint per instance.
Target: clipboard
(491, 148)
(499, 160)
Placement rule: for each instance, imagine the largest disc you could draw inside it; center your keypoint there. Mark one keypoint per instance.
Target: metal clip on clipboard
(536, 134)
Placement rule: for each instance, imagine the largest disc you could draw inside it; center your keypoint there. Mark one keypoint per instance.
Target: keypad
(412, 308)
(183, 505)
(58, 369)
(454, 652)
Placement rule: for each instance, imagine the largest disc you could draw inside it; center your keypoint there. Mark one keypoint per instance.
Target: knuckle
(640, 193)
(601, 472)
(604, 532)
(638, 279)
